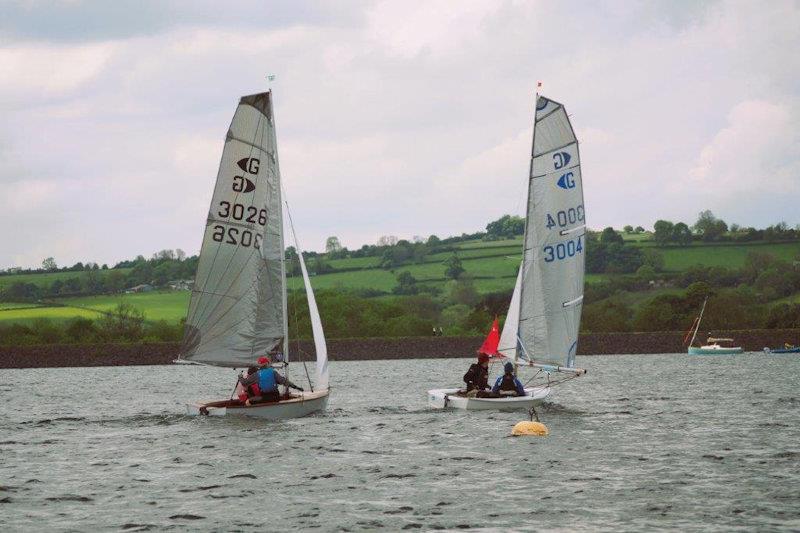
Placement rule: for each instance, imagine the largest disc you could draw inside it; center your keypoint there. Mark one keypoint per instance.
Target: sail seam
(558, 171)
(558, 106)
(540, 154)
(253, 145)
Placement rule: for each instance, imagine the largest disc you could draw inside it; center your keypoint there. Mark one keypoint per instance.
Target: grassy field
(729, 255)
(56, 314)
(43, 280)
(167, 305)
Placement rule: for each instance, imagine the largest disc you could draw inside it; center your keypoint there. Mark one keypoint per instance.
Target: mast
(284, 295)
(699, 319)
(525, 233)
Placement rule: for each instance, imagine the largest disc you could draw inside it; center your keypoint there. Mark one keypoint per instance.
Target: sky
(396, 118)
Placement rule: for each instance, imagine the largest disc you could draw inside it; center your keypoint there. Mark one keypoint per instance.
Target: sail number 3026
(244, 238)
(563, 250)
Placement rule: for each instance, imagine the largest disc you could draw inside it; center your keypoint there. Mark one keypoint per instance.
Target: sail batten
(236, 311)
(552, 272)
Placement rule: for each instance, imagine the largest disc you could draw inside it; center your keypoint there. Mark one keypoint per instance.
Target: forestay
(508, 338)
(551, 293)
(237, 307)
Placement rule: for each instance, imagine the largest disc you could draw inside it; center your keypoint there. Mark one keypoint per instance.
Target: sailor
(477, 377)
(508, 384)
(262, 385)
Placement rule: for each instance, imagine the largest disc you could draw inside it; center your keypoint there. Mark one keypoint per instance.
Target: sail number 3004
(244, 238)
(563, 250)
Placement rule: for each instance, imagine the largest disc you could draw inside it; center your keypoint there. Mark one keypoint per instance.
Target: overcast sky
(394, 118)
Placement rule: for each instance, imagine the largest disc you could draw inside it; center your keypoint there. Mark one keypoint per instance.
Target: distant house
(144, 287)
(181, 285)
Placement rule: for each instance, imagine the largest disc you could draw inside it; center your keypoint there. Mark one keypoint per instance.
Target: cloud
(48, 71)
(756, 150)
(396, 118)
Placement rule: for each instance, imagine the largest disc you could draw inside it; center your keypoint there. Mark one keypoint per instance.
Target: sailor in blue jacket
(508, 384)
(262, 385)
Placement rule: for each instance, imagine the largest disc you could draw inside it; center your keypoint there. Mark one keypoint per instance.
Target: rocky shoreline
(78, 355)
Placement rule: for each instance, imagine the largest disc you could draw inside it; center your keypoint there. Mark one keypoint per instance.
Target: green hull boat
(715, 349)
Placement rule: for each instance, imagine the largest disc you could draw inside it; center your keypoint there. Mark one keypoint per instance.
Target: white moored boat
(541, 328)
(713, 346)
(238, 312)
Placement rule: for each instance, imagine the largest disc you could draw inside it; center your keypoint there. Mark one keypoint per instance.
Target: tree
(180, 255)
(646, 272)
(653, 258)
(125, 322)
(81, 330)
(639, 229)
(332, 245)
(663, 232)
(610, 235)
(407, 284)
(454, 268)
(628, 229)
(387, 240)
(506, 227)
(709, 226)
(164, 254)
(462, 291)
(681, 234)
(433, 240)
(606, 316)
(49, 264)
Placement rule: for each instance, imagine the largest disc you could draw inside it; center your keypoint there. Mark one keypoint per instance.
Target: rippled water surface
(641, 442)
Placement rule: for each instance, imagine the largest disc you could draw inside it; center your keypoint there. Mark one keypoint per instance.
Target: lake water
(640, 442)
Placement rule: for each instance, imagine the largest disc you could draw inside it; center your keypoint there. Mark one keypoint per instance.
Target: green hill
(491, 265)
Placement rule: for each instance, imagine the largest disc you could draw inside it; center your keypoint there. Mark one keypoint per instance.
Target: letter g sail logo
(566, 181)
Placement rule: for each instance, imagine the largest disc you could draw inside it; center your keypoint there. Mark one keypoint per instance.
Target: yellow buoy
(527, 427)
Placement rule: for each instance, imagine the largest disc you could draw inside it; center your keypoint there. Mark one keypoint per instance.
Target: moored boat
(713, 346)
(787, 348)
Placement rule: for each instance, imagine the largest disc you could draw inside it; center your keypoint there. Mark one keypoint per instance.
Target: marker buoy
(529, 428)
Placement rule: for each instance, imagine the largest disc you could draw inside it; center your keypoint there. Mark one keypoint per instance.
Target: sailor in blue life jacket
(508, 384)
(262, 385)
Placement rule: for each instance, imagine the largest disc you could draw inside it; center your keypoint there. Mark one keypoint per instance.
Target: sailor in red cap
(477, 377)
(261, 383)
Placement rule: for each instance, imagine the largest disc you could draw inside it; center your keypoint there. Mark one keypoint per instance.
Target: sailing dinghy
(541, 328)
(238, 312)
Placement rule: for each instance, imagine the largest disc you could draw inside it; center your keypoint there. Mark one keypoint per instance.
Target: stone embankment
(69, 355)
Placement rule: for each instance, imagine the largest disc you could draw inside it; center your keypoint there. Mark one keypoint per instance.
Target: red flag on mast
(489, 346)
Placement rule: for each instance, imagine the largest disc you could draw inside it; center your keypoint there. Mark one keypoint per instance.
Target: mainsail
(551, 288)
(237, 311)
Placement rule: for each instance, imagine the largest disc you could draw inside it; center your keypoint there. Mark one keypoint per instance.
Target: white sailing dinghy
(541, 328)
(238, 312)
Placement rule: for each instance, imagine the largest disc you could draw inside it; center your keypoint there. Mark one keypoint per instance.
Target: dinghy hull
(795, 349)
(447, 399)
(298, 406)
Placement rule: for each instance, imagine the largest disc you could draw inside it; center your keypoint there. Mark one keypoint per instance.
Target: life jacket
(476, 377)
(266, 381)
(249, 387)
(508, 383)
